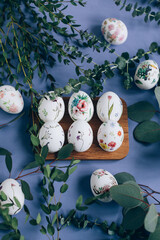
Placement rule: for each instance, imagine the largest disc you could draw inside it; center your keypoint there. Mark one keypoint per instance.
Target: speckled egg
(114, 31)
(147, 74)
(110, 136)
(11, 100)
(80, 134)
(101, 181)
(52, 133)
(51, 110)
(109, 106)
(13, 191)
(80, 106)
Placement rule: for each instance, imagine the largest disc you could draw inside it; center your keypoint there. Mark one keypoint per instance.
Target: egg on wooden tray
(100, 182)
(51, 110)
(114, 31)
(80, 134)
(110, 136)
(147, 74)
(109, 106)
(80, 106)
(15, 197)
(52, 133)
(11, 100)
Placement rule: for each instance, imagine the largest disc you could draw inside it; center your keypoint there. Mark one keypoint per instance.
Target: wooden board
(95, 152)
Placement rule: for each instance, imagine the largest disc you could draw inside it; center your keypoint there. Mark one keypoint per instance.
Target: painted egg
(109, 106)
(51, 110)
(11, 100)
(52, 133)
(101, 181)
(110, 136)
(80, 106)
(80, 134)
(13, 192)
(114, 31)
(147, 74)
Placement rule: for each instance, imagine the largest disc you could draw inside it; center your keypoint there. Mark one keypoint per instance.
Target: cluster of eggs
(147, 74)
(11, 100)
(80, 134)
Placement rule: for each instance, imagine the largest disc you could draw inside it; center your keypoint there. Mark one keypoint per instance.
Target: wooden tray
(95, 152)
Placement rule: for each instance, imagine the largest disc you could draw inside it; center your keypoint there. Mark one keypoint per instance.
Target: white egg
(147, 74)
(114, 31)
(80, 106)
(80, 134)
(52, 133)
(13, 191)
(101, 181)
(110, 136)
(51, 110)
(109, 106)
(11, 100)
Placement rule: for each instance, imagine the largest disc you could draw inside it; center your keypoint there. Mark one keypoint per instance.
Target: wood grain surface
(95, 152)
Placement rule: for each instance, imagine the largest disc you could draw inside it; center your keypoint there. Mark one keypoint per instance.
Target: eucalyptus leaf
(126, 195)
(31, 165)
(155, 235)
(4, 151)
(141, 111)
(26, 190)
(64, 188)
(8, 161)
(148, 131)
(151, 219)
(157, 94)
(65, 151)
(124, 177)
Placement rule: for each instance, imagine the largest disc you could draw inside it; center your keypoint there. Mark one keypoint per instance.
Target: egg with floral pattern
(80, 106)
(100, 182)
(110, 136)
(52, 134)
(80, 134)
(51, 109)
(109, 106)
(11, 100)
(147, 75)
(114, 31)
(14, 196)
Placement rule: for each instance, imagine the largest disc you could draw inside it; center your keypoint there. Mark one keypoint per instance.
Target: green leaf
(43, 230)
(44, 151)
(33, 222)
(134, 218)
(147, 131)
(56, 207)
(4, 152)
(8, 161)
(157, 94)
(3, 196)
(74, 162)
(141, 111)
(45, 209)
(50, 229)
(153, 47)
(38, 219)
(124, 177)
(34, 140)
(65, 151)
(17, 202)
(138, 82)
(126, 195)
(14, 223)
(71, 170)
(60, 176)
(47, 171)
(110, 111)
(155, 235)
(39, 159)
(64, 188)
(151, 219)
(79, 204)
(121, 62)
(31, 165)
(26, 190)
(4, 226)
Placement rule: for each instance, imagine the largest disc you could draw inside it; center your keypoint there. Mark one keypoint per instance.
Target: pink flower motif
(112, 144)
(105, 188)
(12, 94)
(13, 108)
(110, 27)
(113, 36)
(1, 94)
(13, 185)
(82, 106)
(121, 38)
(117, 32)
(109, 97)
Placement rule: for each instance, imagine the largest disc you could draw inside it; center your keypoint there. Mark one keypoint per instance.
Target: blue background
(142, 160)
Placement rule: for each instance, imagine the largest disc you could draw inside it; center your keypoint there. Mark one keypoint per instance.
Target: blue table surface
(142, 160)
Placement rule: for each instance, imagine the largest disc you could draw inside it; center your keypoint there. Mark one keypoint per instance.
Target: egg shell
(11, 100)
(12, 189)
(52, 133)
(109, 106)
(147, 75)
(100, 182)
(110, 136)
(80, 134)
(114, 31)
(51, 110)
(80, 106)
